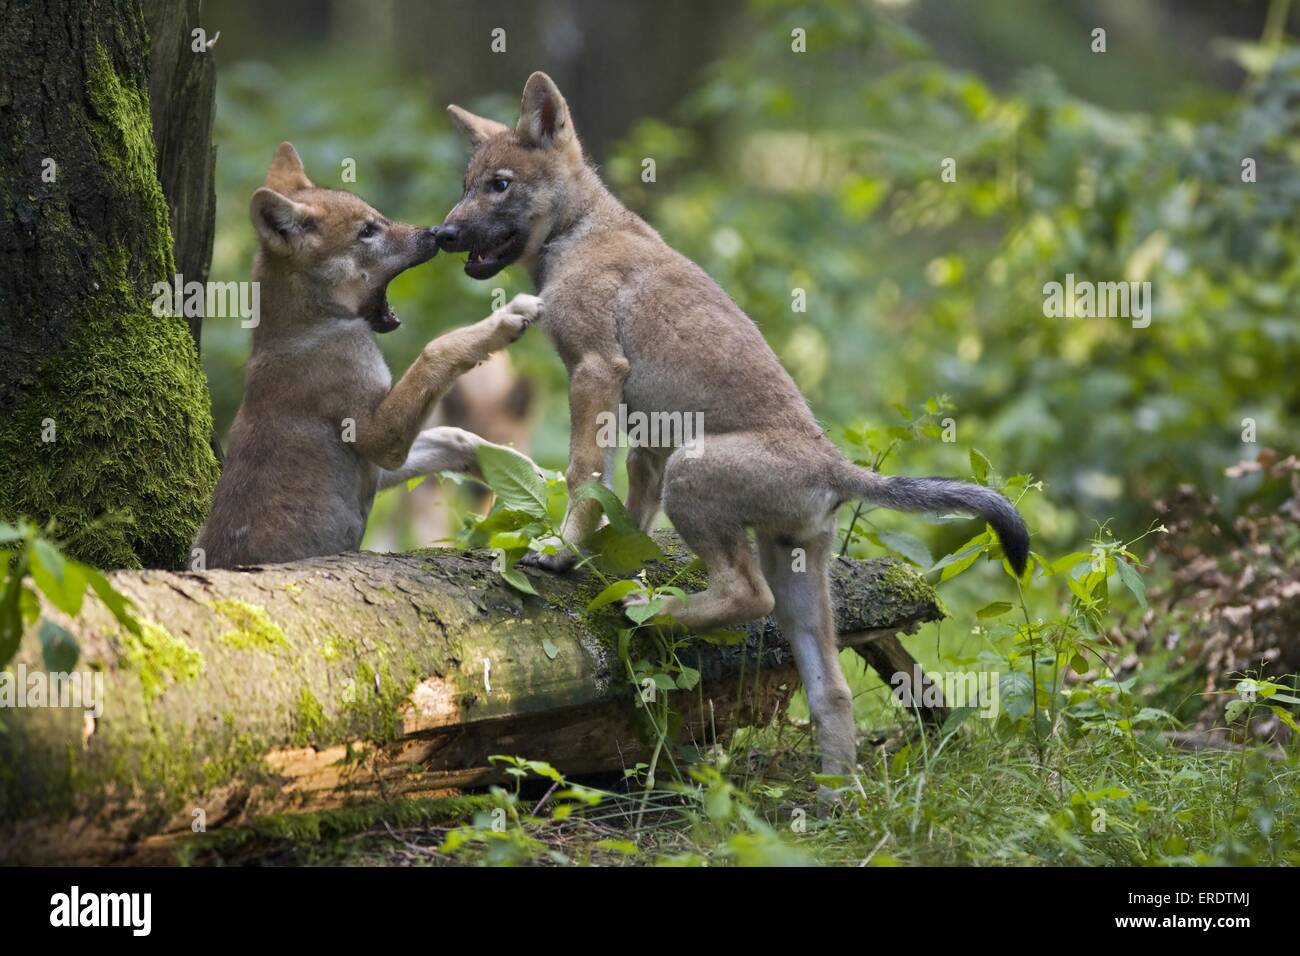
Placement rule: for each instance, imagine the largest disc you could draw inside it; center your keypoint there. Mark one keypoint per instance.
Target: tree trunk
(104, 410)
(182, 103)
(325, 682)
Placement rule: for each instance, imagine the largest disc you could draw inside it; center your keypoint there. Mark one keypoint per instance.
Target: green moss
(904, 584)
(159, 658)
(127, 478)
(253, 626)
(124, 132)
(309, 719)
(375, 712)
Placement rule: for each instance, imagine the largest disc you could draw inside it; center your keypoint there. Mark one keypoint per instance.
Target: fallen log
(306, 686)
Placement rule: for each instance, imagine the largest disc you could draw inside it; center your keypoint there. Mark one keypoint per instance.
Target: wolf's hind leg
(803, 612)
(645, 483)
(737, 593)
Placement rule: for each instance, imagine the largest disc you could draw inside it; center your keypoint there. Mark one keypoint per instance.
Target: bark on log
(309, 685)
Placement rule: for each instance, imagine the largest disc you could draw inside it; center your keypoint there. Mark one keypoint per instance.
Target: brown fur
(320, 430)
(637, 323)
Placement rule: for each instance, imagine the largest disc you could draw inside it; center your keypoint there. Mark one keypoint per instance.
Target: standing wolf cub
(637, 323)
(319, 430)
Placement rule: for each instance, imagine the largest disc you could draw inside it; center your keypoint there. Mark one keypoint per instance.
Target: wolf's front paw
(514, 318)
(562, 560)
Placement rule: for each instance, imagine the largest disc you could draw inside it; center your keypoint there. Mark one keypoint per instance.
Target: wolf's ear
(280, 222)
(475, 128)
(544, 116)
(287, 173)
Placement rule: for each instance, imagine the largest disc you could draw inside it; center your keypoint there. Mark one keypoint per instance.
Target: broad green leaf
(548, 646)
(510, 475)
(962, 561)
(908, 546)
(11, 621)
(117, 603)
(58, 647)
(643, 612)
(609, 503)
(1071, 561)
(615, 592)
(623, 552)
(61, 581)
(517, 580)
(974, 546)
(996, 609)
(979, 466)
(1132, 580)
(688, 678)
(1285, 716)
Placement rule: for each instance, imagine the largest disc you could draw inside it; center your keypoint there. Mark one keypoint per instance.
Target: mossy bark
(104, 410)
(333, 681)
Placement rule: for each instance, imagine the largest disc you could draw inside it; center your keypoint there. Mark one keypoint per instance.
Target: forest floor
(970, 797)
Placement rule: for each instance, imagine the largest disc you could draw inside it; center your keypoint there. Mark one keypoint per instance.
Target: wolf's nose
(448, 236)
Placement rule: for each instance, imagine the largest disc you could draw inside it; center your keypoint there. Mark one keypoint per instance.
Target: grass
(977, 797)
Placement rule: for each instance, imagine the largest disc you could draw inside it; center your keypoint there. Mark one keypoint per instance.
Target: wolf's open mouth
(381, 317)
(484, 263)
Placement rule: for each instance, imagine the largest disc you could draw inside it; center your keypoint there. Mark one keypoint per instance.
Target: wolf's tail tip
(1015, 545)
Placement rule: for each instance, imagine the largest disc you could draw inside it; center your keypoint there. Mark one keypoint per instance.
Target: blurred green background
(778, 170)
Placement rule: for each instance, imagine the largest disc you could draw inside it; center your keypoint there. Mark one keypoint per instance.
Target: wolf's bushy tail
(938, 494)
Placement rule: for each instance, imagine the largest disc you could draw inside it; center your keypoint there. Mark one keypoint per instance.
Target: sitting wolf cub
(319, 430)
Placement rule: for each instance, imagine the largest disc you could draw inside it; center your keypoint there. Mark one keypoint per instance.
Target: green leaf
(549, 647)
(1284, 715)
(980, 466)
(517, 580)
(117, 603)
(1132, 580)
(1236, 707)
(971, 549)
(622, 552)
(688, 678)
(610, 504)
(11, 619)
(615, 592)
(1071, 561)
(61, 581)
(908, 546)
(996, 609)
(9, 534)
(510, 475)
(620, 547)
(643, 612)
(58, 647)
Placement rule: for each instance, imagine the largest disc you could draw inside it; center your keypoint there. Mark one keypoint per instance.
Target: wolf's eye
(367, 231)
(499, 185)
